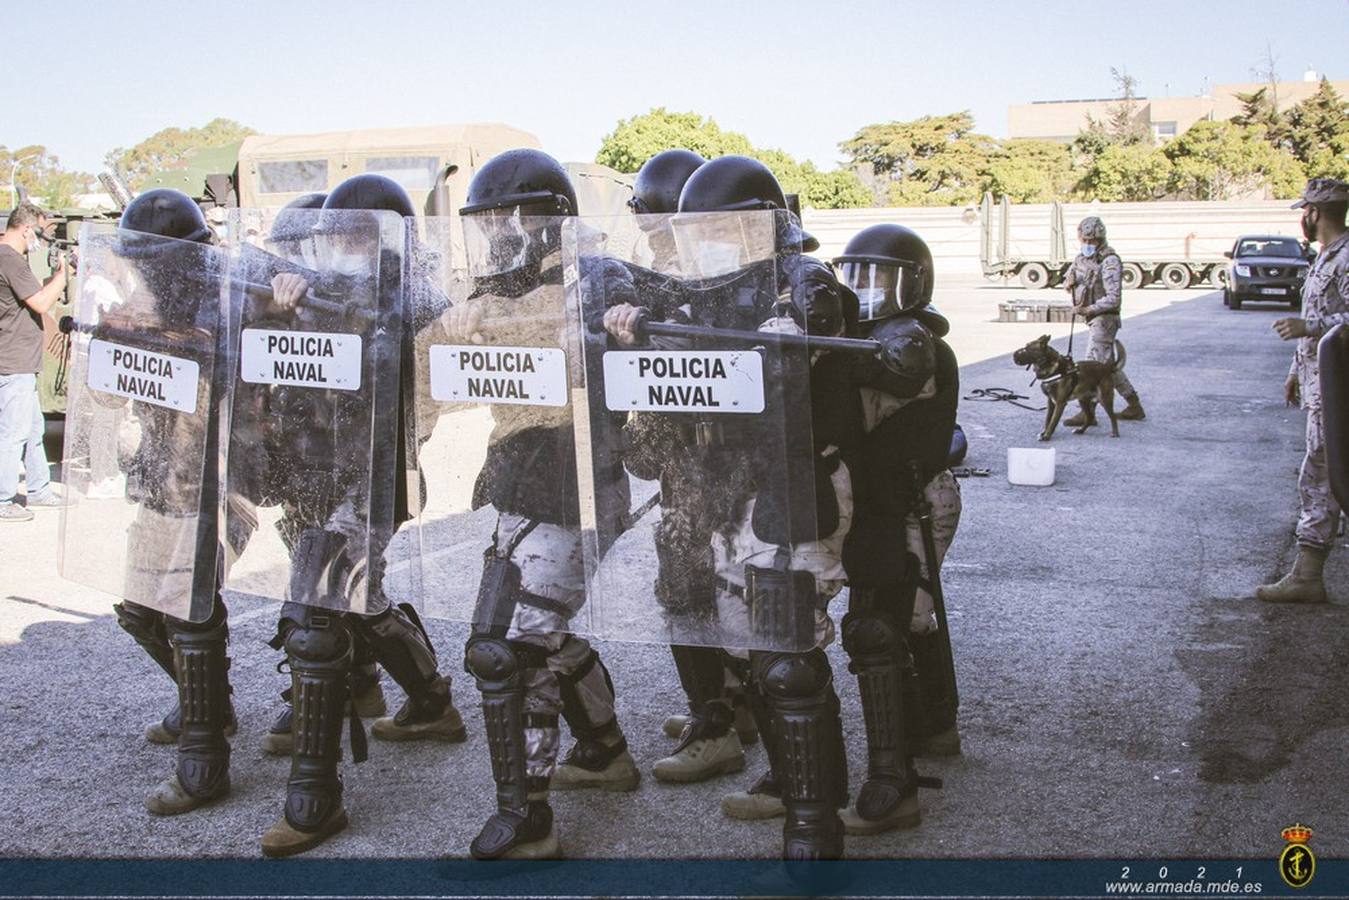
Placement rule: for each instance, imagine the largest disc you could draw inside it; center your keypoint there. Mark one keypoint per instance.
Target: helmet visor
(881, 288)
(504, 239)
(711, 245)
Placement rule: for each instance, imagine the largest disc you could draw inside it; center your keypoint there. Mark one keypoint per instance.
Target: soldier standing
(1093, 281)
(528, 666)
(1325, 304)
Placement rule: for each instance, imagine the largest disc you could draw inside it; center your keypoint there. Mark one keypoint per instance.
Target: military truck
(434, 163)
(1158, 243)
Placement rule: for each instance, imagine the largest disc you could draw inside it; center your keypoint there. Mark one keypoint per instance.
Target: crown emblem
(1297, 834)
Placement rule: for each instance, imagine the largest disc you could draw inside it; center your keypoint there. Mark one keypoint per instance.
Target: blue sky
(798, 76)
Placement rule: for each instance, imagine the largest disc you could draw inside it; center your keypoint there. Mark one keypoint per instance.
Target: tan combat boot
(1133, 411)
(1082, 418)
(701, 759)
(1305, 584)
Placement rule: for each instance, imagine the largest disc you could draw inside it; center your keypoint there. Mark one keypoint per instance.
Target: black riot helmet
(660, 180)
(294, 222)
(165, 213)
(889, 267)
(370, 191)
(734, 183)
(526, 179)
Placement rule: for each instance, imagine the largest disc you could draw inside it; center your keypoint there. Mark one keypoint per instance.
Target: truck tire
(1131, 276)
(1034, 276)
(1176, 276)
(1217, 277)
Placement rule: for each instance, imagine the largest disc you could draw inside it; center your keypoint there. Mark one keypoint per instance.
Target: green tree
(636, 140)
(930, 161)
(639, 138)
(1258, 108)
(41, 175)
(1318, 133)
(1221, 160)
(169, 147)
(1126, 172)
(1029, 171)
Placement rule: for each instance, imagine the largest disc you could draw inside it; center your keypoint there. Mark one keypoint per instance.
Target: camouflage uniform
(1325, 304)
(1095, 283)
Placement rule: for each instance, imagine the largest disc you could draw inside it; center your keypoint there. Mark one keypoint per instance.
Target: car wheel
(1227, 298)
(1131, 276)
(1176, 276)
(1236, 302)
(1034, 276)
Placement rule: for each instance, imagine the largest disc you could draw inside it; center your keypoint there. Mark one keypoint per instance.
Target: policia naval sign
(528, 376)
(711, 381)
(302, 358)
(154, 378)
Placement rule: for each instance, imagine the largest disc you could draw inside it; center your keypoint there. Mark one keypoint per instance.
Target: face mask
(350, 264)
(718, 259)
(1088, 250)
(869, 301)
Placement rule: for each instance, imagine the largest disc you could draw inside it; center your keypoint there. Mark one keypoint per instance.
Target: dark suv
(1265, 267)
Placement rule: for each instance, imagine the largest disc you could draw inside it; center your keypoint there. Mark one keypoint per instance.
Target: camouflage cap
(1323, 190)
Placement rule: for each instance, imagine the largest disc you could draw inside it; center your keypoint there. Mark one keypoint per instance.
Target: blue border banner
(370, 878)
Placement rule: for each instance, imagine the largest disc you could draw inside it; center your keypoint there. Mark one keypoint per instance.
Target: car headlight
(1244, 271)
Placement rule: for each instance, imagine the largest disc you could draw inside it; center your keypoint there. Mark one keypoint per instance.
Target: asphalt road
(1123, 694)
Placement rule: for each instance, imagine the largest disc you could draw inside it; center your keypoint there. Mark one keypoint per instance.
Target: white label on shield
(709, 381)
(527, 376)
(313, 359)
(154, 378)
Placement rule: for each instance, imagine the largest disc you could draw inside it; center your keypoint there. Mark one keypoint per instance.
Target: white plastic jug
(1028, 466)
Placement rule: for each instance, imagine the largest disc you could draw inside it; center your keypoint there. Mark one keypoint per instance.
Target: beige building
(1166, 117)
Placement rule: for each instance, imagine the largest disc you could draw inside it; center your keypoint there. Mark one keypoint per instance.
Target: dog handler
(1093, 281)
(1325, 304)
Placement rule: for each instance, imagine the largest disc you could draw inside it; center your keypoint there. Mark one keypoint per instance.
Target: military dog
(1064, 380)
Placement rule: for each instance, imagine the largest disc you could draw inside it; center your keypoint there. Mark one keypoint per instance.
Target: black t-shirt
(20, 326)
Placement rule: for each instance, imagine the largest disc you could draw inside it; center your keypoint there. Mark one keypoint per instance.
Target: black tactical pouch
(497, 591)
(782, 605)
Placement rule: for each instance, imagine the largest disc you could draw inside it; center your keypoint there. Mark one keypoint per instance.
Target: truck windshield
(1286, 248)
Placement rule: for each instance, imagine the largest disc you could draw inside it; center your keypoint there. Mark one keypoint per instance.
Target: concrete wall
(1170, 230)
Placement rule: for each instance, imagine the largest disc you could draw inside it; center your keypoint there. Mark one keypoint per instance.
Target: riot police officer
(341, 496)
(907, 508)
(777, 554)
(528, 666)
(659, 447)
(164, 238)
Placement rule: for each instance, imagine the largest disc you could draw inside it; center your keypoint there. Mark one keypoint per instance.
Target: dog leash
(1005, 395)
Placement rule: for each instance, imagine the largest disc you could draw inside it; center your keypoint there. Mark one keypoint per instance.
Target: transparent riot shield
(703, 408)
(498, 534)
(313, 487)
(141, 441)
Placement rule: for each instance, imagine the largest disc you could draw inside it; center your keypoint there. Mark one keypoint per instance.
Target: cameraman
(23, 303)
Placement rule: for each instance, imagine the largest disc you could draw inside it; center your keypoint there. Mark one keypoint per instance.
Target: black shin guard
(588, 707)
(204, 702)
(493, 664)
(808, 734)
(319, 646)
(874, 632)
(703, 677)
(147, 627)
(398, 641)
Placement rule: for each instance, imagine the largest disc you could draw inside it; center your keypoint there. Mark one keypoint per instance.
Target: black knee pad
(794, 676)
(491, 660)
